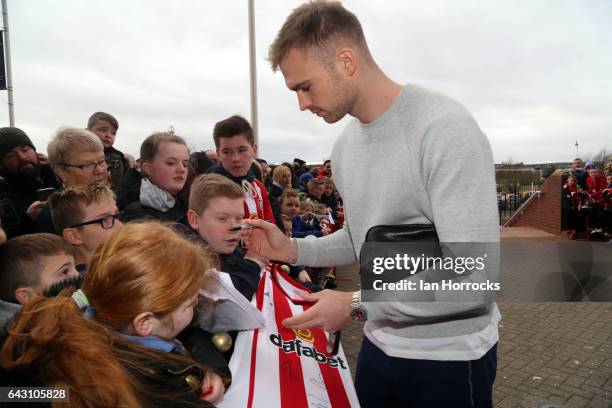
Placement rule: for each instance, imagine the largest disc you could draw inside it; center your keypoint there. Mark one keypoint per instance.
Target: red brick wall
(545, 212)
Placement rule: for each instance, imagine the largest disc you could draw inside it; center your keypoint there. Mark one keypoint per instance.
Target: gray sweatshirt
(423, 161)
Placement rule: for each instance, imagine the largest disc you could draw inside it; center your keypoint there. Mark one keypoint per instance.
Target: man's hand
(258, 259)
(331, 312)
(267, 241)
(42, 158)
(34, 209)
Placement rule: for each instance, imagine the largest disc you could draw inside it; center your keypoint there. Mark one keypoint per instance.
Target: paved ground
(556, 352)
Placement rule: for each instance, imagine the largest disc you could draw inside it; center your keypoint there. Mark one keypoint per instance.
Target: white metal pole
(7, 53)
(252, 71)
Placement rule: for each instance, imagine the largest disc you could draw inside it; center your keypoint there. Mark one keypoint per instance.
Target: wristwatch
(358, 312)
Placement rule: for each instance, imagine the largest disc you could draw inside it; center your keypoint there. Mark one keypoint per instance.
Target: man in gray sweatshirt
(415, 353)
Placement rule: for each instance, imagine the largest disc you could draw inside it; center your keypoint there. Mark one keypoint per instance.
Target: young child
(105, 126)
(112, 343)
(322, 214)
(607, 207)
(329, 197)
(236, 149)
(290, 203)
(306, 223)
(596, 183)
(29, 265)
(84, 216)
(154, 192)
(215, 214)
(291, 207)
(572, 202)
(297, 272)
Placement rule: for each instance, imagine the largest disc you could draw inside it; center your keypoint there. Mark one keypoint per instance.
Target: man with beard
(23, 175)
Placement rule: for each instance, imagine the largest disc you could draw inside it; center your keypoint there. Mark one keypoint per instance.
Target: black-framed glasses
(106, 222)
(87, 166)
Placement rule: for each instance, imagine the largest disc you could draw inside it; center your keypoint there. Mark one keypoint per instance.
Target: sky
(536, 75)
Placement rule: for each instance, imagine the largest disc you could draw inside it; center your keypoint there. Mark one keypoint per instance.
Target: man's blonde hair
(313, 27)
(68, 205)
(69, 142)
(208, 186)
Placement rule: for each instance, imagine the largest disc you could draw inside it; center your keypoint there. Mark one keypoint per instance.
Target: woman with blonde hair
(112, 343)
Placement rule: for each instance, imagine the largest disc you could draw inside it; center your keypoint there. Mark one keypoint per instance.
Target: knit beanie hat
(11, 137)
(305, 177)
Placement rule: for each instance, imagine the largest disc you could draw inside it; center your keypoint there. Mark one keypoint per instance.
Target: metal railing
(510, 197)
(520, 209)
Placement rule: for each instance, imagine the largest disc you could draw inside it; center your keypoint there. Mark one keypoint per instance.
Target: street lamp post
(7, 53)
(253, 71)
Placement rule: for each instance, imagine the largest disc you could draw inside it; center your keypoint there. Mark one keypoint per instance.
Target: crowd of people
(85, 223)
(105, 308)
(586, 200)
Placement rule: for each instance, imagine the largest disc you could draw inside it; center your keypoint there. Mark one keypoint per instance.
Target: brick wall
(545, 212)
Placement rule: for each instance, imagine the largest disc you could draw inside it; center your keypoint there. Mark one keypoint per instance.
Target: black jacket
(17, 194)
(118, 166)
(274, 194)
(128, 202)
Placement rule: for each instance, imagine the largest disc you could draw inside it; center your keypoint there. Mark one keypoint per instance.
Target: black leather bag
(402, 233)
(388, 240)
(412, 234)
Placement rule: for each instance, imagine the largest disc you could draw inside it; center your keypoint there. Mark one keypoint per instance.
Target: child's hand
(325, 229)
(303, 276)
(212, 389)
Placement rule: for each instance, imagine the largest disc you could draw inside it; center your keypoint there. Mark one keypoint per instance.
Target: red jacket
(600, 182)
(595, 187)
(607, 196)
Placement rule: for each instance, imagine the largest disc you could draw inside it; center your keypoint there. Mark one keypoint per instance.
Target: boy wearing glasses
(85, 216)
(77, 158)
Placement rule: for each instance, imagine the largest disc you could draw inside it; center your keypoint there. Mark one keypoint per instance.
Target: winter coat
(130, 203)
(17, 194)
